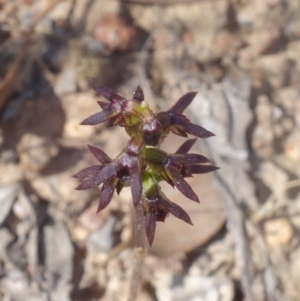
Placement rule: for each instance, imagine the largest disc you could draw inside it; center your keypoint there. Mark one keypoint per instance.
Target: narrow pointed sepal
(191, 128)
(88, 184)
(175, 210)
(99, 154)
(105, 173)
(182, 185)
(150, 225)
(88, 172)
(106, 195)
(104, 105)
(183, 103)
(198, 131)
(96, 118)
(135, 182)
(186, 146)
(190, 159)
(201, 169)
(108, 93)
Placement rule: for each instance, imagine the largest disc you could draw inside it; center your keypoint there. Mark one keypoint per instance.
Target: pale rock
(276, 68)
(219, 254)
(263, 109)
(289, 99)
(278, 232)
(59, 189)
(8, 195)
(195, 288)
(227, 42)
(115, 33)
(92, 220)
(36, 152)
(274, 177)
(292, 29)
(286, 163)
(66, 82)
(78, 107)
(23, 208)
(102, 239)
(10, 173)
(293, 275)
(79, 233)
(213, 16)
(6, 239)
(292, 146)
(260, 42)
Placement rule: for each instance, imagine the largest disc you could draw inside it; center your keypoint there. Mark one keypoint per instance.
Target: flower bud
(155, 157)
(151, 132)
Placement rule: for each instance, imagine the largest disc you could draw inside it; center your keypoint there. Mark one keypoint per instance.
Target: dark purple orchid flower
(113, 174)
(142, 164)
(174, 167)
(157, 207)
(173, 120)
(112, 111)
(127, 113)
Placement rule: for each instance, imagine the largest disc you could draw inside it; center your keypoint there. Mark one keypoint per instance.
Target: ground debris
(241, 56)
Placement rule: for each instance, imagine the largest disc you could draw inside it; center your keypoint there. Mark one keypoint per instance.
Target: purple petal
(183, 102)
(108, 93)
(150, 225)
(175, 210)
(200, 169)
(135, 182)
(138, 94)
(106, 195)
(99, 154)
(186, 146)
(182, 185)
(97, 118)
(88, 172)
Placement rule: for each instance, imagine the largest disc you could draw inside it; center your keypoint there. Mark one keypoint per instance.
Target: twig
(6, 84)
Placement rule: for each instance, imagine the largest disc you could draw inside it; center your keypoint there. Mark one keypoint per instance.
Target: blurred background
(243, 59)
